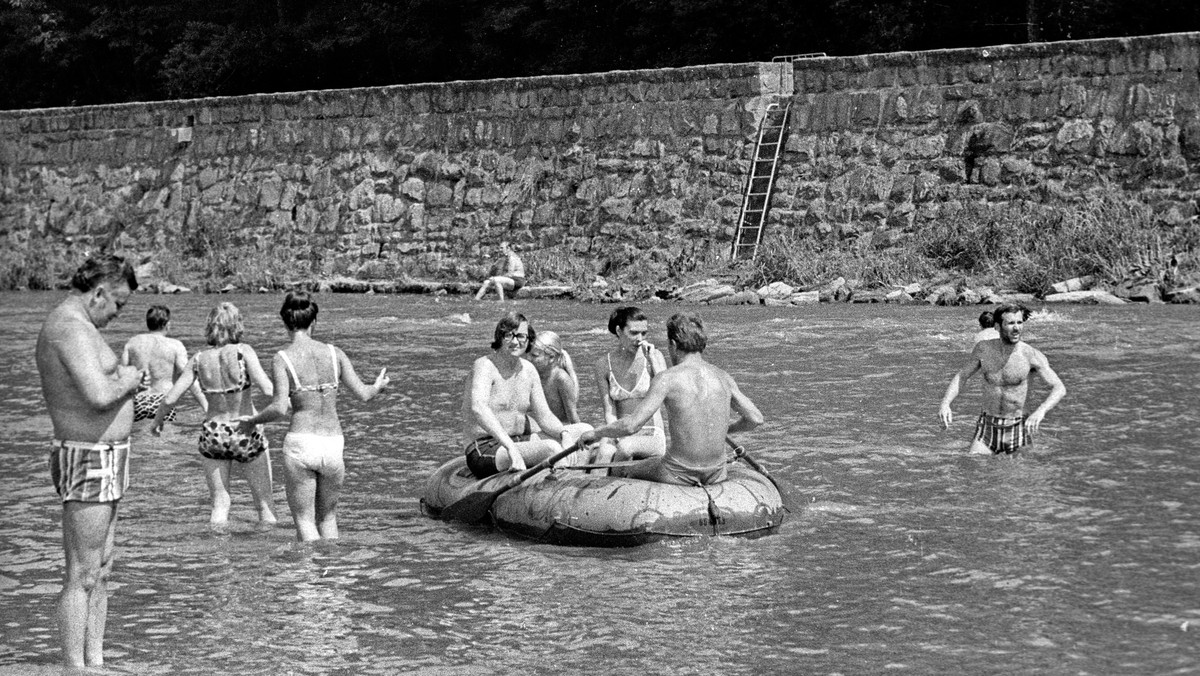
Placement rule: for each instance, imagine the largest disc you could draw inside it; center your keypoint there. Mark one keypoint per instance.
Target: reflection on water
(1082, 557)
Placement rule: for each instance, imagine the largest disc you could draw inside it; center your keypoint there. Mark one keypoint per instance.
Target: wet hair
(103, 268)
(157, 317)
(687, 332)
(549, 341)
(621, 317)
(1009, 308)
(224, 325)
(299, 310)
(986, 321)
(511, 322)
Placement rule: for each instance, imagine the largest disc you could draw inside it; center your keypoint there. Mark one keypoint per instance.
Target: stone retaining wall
(880, 144)
(639, 166)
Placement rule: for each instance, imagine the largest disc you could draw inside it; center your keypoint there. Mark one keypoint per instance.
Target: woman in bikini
(225, 373)
(557, 373)
(623, 376)
(307, 376)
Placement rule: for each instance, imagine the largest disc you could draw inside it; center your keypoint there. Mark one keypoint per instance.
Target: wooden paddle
(786, 493)
(472, 507)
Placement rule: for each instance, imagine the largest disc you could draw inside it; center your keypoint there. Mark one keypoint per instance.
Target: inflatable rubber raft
(570, 507)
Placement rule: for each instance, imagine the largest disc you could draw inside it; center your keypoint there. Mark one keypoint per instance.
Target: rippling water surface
(908, 557)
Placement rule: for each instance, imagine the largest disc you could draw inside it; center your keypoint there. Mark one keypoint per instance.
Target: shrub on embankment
(1022, 245)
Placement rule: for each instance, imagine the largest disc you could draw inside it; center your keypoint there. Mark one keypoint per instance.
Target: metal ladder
(753, 217)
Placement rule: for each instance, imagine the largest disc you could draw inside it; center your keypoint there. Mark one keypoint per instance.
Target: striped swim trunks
(90, 471)
(1002, 435)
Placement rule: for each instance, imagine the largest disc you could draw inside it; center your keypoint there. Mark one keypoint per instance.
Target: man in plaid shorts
(1006, 363)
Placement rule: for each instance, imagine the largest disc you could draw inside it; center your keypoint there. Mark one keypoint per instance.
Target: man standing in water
(90, 397)
(163, 358)
(1006, 364)
(697, 397)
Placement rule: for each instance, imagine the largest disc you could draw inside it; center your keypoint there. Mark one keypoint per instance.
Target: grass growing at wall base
(1020, 245)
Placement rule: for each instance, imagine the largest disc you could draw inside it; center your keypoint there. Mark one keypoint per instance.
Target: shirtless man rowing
(164, 358)
(1006, 363)
(697, 397)
(90, 397)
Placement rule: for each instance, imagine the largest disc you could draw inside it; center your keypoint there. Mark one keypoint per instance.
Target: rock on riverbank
(721, 291)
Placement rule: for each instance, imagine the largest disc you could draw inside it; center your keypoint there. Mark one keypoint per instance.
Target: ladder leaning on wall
(753, 217)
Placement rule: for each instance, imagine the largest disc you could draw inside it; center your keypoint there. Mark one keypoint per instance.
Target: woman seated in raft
(623, 376)
(225, 372)
(499, 397)
(557, 373)
(308, 375)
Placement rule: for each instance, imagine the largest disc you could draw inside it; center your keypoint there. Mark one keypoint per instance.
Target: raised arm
(351, 380)
(1058, 390)
(656, 361)
(964, 374)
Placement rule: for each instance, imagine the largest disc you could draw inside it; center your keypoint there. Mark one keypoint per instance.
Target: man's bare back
(162, 357)
(697, 401)
(698, 398)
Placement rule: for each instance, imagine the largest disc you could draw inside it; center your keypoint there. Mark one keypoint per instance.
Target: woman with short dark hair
(623, 375)
(307, 376)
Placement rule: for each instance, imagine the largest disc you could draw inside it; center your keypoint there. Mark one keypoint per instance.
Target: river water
(909, 556)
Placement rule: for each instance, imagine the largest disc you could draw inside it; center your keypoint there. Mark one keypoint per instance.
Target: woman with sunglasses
(499, 397)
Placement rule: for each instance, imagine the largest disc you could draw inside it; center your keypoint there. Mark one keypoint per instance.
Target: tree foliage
(74, 52)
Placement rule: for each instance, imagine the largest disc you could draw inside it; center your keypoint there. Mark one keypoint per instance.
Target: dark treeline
(76, 52)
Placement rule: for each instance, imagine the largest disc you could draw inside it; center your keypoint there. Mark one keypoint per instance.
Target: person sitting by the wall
(507, 274)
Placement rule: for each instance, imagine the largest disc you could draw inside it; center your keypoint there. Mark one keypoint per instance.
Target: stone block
(1094, 296)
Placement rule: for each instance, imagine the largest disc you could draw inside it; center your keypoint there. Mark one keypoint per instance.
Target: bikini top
(242, 384)
(640, 389)
(323, 388)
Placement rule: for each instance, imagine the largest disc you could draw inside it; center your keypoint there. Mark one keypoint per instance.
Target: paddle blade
(472, 507)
